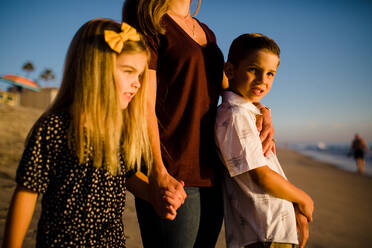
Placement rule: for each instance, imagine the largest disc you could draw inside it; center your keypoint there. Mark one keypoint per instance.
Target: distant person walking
(357, 149)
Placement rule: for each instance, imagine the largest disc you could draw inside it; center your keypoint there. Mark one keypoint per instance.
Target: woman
(185, 81)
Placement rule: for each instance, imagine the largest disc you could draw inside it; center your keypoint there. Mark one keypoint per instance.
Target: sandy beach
(343, 200)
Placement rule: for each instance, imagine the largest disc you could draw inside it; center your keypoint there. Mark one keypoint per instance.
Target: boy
(259, 202)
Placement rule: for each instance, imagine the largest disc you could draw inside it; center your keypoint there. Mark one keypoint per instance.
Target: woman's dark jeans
(198, 222)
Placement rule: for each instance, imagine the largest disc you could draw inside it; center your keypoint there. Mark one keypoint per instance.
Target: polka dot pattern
(82, 206)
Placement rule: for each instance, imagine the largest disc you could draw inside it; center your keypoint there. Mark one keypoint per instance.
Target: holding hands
(167, 195)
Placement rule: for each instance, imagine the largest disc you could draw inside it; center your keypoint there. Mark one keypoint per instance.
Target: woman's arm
(266, 129)
(159, 178)
(225, 81)
(19, 217)
(276, 185)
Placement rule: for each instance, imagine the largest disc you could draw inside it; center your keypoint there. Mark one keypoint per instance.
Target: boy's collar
(235, 99)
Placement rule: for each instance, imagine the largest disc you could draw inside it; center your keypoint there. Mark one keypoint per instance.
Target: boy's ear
(229, 70)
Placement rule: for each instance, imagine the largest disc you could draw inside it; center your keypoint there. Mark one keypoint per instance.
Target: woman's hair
(90, 94)
(146, 15)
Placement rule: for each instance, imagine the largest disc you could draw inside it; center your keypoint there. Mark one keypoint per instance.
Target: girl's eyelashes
(127, 70)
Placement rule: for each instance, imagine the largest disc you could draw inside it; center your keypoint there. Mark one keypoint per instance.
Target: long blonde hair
(146, 15)
(89, 93)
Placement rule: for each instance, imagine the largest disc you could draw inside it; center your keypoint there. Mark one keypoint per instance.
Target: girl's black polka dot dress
(82, 206)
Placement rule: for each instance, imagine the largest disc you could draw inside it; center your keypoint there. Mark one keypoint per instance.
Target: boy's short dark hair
(248, 43)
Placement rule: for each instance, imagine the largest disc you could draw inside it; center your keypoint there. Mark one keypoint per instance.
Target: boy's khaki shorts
(270, 245)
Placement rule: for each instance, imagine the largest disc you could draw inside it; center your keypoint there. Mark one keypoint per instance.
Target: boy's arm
(302, 227)
(275, 185)
(19, 217)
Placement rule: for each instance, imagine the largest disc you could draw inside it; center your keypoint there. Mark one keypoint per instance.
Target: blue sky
(323, 88)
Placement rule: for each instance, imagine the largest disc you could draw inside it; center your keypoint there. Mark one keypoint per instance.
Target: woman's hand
(165, 200)
(173, 198)
(167, 195)
(265, 127)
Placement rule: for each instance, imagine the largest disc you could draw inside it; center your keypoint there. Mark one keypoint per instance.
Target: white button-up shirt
(251, 215)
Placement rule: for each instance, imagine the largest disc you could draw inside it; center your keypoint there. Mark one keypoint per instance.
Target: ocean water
(335, 154)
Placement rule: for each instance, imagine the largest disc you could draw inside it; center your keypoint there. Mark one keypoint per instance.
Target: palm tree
(28, 67)
(47, 75)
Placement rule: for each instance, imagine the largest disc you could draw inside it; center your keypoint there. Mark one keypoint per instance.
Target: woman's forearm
(157, 169)
(159, 179)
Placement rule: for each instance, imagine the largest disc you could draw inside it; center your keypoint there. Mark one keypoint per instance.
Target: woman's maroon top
(189, 81)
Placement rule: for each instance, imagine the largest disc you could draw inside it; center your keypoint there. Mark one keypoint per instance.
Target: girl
(83, 151)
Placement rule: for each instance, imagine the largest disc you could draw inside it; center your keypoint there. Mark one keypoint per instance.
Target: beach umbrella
(20, 81)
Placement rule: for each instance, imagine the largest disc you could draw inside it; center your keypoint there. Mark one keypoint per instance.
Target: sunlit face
(253, 77)
(128, 71)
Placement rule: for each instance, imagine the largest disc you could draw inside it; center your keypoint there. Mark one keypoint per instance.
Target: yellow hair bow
(116, 40)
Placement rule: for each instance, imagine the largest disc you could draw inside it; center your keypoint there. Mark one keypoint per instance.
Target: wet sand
(343, 200)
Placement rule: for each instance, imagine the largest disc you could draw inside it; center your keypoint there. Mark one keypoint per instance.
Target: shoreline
(343, 200)
(337, 161)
